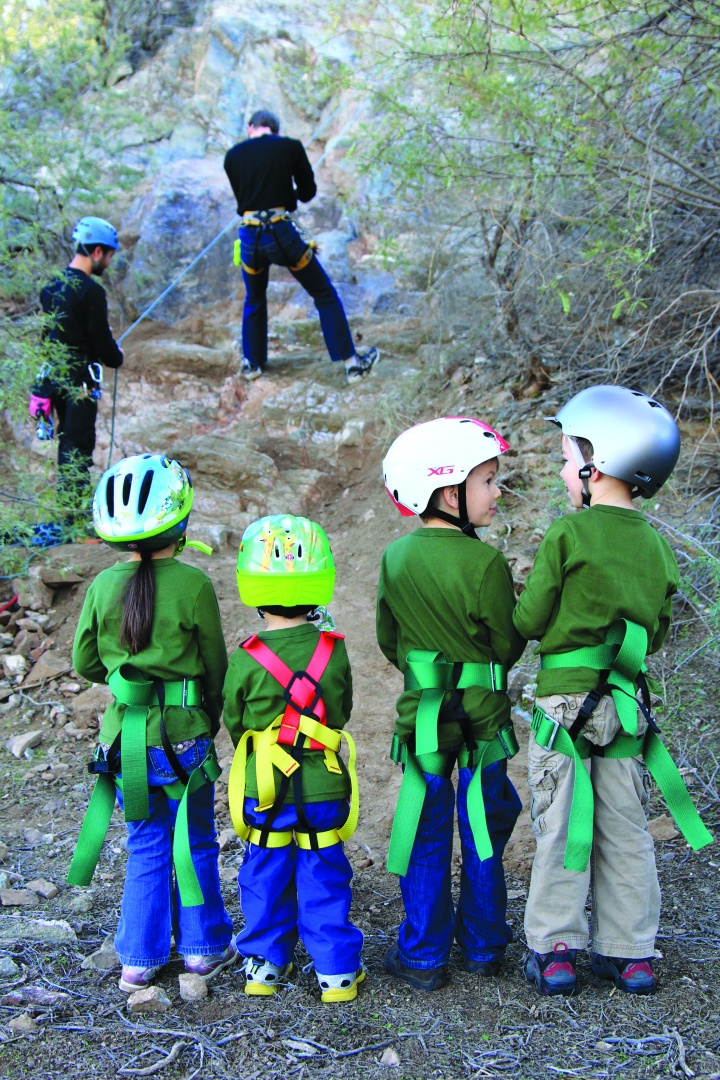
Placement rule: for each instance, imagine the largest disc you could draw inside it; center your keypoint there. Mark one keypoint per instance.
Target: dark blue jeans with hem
(282, 245)
(431, 920)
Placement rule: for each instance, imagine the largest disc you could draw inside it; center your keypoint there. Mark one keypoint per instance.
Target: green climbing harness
(621, 659)
(431, 673)
(139, 695)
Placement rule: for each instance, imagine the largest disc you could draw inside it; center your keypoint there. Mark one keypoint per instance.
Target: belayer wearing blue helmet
(78, 323)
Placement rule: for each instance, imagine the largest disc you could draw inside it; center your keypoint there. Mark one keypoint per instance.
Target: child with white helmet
(150, 628)
(599, 600)
(288, 695)
(444, 618)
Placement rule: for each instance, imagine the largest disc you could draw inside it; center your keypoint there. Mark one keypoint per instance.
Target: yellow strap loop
(304, 261)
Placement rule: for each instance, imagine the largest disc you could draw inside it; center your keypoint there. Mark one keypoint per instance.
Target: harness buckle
(183, 699)
(306, 710)
(541, 723)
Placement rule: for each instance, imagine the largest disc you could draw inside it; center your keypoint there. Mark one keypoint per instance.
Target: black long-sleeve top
(269, 171)
(78, 307)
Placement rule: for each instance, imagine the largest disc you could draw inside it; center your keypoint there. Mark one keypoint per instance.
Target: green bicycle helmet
(143, 503)
(285, 561)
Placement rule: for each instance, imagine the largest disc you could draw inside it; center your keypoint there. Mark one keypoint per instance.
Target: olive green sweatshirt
(440, 589)
(254, 698)
(594, 567)
(186, 642)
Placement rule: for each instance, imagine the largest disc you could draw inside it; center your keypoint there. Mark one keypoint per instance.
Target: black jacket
(270, 171)
(78, 307)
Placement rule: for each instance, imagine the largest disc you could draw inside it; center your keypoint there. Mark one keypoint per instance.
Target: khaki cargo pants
(625, 889)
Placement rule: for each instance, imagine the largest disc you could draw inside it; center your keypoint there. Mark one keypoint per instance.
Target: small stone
(81, 903)
(56, 578)
(49, 666)
(14, 665)
(3, 851)
(192, 987)
(390, 1057)
(43, 888)
(604, 1047)
(18, 744)
(71, 688)
(663, 828)
(226, 838)
(50, 931)
(150, 999)
(17, 898)
(104, 959)
(8, 968)
(365, 864)
(23, 1025)
(33, 837)
(5, 882)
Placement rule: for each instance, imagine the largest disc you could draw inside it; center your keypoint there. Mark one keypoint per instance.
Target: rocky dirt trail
(299, 440)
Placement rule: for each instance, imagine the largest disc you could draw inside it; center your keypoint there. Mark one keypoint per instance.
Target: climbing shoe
(136, 978)
(553, 973)
(631, 976)
(207, 967)
(486, 968)
(249, 371)
(362, 365)
(263, 978)
(419, 978)
(340, 987)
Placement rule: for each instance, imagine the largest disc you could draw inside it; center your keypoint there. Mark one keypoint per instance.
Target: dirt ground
(472, 1028)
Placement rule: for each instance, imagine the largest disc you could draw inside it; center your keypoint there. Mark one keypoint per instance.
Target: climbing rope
(202, 254)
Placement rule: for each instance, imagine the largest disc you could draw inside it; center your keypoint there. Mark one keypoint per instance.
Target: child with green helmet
(288, 695)
(150, 628)
(598, 600)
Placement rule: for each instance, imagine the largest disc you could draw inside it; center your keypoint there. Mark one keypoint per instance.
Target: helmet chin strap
(461, 521)
(585, 471)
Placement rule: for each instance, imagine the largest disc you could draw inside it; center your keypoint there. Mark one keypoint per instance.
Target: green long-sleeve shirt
(254, 698)
(440, 589)
(186, 642)
(593, 568)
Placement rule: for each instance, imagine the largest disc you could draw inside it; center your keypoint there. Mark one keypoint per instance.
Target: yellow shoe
(262, 978)
(340, 987)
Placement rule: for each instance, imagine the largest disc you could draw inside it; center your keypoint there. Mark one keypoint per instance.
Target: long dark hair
(139, 606)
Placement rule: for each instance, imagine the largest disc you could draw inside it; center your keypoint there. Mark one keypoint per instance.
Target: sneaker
(250, 371)
(631, 976)
(207, 967)
(136, 978)
(263, 978)
(553, 973)
(340, 987)
(419, 978)
(486, 968)
(362, 365)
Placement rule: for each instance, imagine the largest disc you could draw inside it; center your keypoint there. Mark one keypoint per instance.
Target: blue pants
(151, 909)
(287, 893)
(478, 925)
(282, 245)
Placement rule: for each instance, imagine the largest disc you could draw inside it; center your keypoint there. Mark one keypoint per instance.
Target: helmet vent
(643, 478)
(110, 497)
(277, 552)
(127, 487)
(654, 404)
(299, 551)
(396, 497)
(145, 490)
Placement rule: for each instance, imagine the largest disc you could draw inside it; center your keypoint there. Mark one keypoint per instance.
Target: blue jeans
(478, 925)
(287, 893)
(151, 909)
(282, 245)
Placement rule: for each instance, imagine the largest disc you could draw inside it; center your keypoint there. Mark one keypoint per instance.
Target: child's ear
(450, 495)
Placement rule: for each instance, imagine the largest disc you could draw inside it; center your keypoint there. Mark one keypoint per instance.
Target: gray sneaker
(250, 372)
(362, 365)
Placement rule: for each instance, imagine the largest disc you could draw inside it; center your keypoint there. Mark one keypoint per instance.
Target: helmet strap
(585, 473)
(461, 521)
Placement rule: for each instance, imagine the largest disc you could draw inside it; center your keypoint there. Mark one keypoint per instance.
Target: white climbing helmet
(634, 437)
(438, 453)
(143, 503)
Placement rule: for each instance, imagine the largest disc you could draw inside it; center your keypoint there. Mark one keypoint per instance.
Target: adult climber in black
(269, 174)
(78, 320)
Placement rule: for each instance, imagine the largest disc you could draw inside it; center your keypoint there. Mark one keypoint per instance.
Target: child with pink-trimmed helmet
(444, 618)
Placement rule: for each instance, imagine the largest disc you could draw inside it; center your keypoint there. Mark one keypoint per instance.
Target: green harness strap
(139, 696)
(623, 656)
(441, 763)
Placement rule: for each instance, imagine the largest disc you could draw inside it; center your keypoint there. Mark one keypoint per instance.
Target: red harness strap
(301, 689)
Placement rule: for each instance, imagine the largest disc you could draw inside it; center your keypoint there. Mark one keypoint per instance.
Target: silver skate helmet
(634, 437)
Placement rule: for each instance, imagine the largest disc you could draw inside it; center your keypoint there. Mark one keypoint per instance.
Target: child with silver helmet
(288, 696)
(598, 600)
(444, 618)
(150, 628)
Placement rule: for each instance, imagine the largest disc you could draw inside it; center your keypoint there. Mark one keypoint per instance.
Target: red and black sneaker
(553, 973)
(631, 976)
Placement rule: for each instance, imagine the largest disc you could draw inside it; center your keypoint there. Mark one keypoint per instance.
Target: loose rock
(3, 851)
(23, 1025)
(104, 959)
(50, 931)
(151, 999)
(18, 898)
(663, 828)
(390, 1058)
(47, 889)
(192, 987)
(8, 968)
(49, 666)
(20, 743)
(14, 665)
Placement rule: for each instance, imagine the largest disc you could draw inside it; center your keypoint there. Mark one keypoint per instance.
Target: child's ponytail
(139, 606)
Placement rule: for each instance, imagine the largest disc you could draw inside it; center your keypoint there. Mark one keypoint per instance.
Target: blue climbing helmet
(143, 503)
(91, 231)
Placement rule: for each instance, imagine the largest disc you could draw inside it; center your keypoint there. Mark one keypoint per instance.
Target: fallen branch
(159, 1065)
